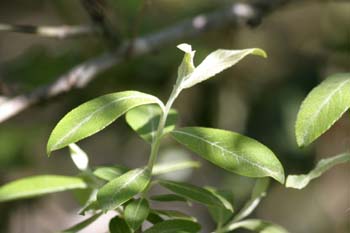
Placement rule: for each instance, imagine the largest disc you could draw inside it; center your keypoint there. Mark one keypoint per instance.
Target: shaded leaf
(110, 173)
(94, 115)
(259, 192)
(123, 188)
(118, 225)
(216, 62)
(174, 226)
(195, 193)
(257, 225)
(159, 169)
(154, 218)
(168, 198)
(323, 106)
(220, 215)
(174, 214)
(82, 225)
(136, 212)
(301, 181)
(145, 119)
(39, 185)
(231, 151)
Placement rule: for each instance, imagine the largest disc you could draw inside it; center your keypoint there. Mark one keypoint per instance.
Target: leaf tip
(259, 52)
(187, 48)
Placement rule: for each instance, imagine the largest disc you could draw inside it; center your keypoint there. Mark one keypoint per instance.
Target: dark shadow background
(305, 40)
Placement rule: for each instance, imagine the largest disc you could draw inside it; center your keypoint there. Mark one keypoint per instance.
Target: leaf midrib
(229, 152)
(325, 102)
(81, 123)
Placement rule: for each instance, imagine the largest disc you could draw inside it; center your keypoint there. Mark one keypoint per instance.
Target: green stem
(160, 129)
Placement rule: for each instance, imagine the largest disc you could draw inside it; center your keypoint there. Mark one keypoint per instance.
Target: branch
(238, 14)
(59, 32)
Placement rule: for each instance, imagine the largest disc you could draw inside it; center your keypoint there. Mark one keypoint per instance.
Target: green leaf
(39, 185)
(78, 227)
(174, 214)
(110, 173)
(159, 169)
(174, 226)
(79, 157)
(94, 115)
(154, 218)
(259, 192)
(145, 119)
(323, 106)
(136, 212)
(195, 193)
(216, 62)
(220, 215)
(168, 198)
(256, 225)
(231, 151)
(301, 181)
(187, 66)
(118, 225)
(123, 188)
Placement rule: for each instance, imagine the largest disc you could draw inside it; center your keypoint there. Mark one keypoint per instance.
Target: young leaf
(187, 66)
(110, 173)
(168, 198)
(301, 181)
(323, 106)
(231, 151)
(39, 185)
(159, 169)
(216, 62)
(136, 212)
(259, 192)
(94, 115)
(123, 188)
(195, 193)
(174, 226)
(144, 120)
(79, 157)
(256, 225)
(174, 214)
(78, 227)
(118, 225)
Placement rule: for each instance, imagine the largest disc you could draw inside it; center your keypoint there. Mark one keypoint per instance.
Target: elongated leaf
(301, 181)
(174, 226)
(154, 218)
(159, 169)
(123, 188)
(257, 225)
(118, 225)
(78, 227)
(145, 119)
(168, 198)
(79, 157)
(136, 212)
(110, 173)
(195, 193)
(174, 214)
(186, 67)
(231, 151)
(220, 215)
(39, 185)
(324, 105)
(93, 116)
(216, 62)
(259, 192)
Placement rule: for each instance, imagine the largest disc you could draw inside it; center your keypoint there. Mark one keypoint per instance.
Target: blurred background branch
(80, 75)
(57, 32)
